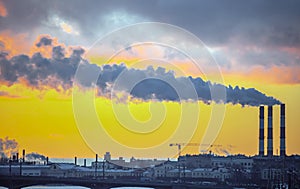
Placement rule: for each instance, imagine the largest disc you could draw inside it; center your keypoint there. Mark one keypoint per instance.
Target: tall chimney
(96, 165)
(282, 130)
(84, 163)
(270, 131)
(75, 159)
(23, 155)
(261, 131)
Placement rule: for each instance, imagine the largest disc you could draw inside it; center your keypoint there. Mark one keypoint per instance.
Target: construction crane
(197, 144)
(191, 144)
(183, 144)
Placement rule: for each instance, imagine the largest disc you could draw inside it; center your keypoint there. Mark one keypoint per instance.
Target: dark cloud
(215, 22)
(44, 41)
(24, 16)
(57, 71)
(268, 25)
(58, 52)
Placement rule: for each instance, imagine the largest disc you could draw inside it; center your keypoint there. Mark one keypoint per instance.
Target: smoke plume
(35, 157)
(8, 147)
(160, 85)
(58, 72)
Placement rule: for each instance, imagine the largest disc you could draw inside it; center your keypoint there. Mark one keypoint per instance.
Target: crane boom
(179, 146)
(183, 144)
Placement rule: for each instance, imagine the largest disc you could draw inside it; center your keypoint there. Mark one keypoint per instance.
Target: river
(73, 187)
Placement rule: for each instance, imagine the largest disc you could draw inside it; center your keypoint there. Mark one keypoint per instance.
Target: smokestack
(282, 130)
(47, 160)
(17, 156)
(261, 130)
(270, 131)
(75, 160)
(96, 165)
(84, 163)
(23, 155)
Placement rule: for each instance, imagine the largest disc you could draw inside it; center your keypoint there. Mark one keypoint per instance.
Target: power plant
(261, 147)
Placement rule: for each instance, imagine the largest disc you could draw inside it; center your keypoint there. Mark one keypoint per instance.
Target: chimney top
(261, 112)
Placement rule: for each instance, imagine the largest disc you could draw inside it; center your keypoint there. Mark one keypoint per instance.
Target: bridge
(18, 182)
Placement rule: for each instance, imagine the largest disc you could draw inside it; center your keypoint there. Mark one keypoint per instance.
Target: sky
(131, 77)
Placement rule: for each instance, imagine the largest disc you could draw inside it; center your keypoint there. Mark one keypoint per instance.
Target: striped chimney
(282, 130)
(261, 131)
(270, 131)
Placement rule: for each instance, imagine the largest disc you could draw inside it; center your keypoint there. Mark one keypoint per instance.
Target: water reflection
(73, 187)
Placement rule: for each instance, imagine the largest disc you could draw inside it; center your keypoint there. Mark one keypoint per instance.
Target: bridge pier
(179, 187)
(14, 187)
(100, 187)
(162, 187)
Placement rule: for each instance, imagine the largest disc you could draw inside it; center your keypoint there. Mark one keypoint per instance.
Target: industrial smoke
(58, 72)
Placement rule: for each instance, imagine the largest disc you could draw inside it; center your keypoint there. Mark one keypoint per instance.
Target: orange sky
(43, 121)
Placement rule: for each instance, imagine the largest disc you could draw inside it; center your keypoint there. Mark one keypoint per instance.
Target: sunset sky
(143, 101)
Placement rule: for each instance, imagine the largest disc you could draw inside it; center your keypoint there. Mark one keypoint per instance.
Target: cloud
(13, 44)
(39, 71)
(269, 26)
(6, 94)
(63, 25)
(213, 21)
(272, 75)
(241, 58)
(3, 11)
(68, 28)
(44, 41)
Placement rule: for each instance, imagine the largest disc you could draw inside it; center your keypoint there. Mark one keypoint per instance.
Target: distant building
(162, 169)
(220, 174)
(240, 161)
(26, 170)
(107, 156)
(122, 164)
(238, 170)
(195, 161)
(271, 173)
(31, 172)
